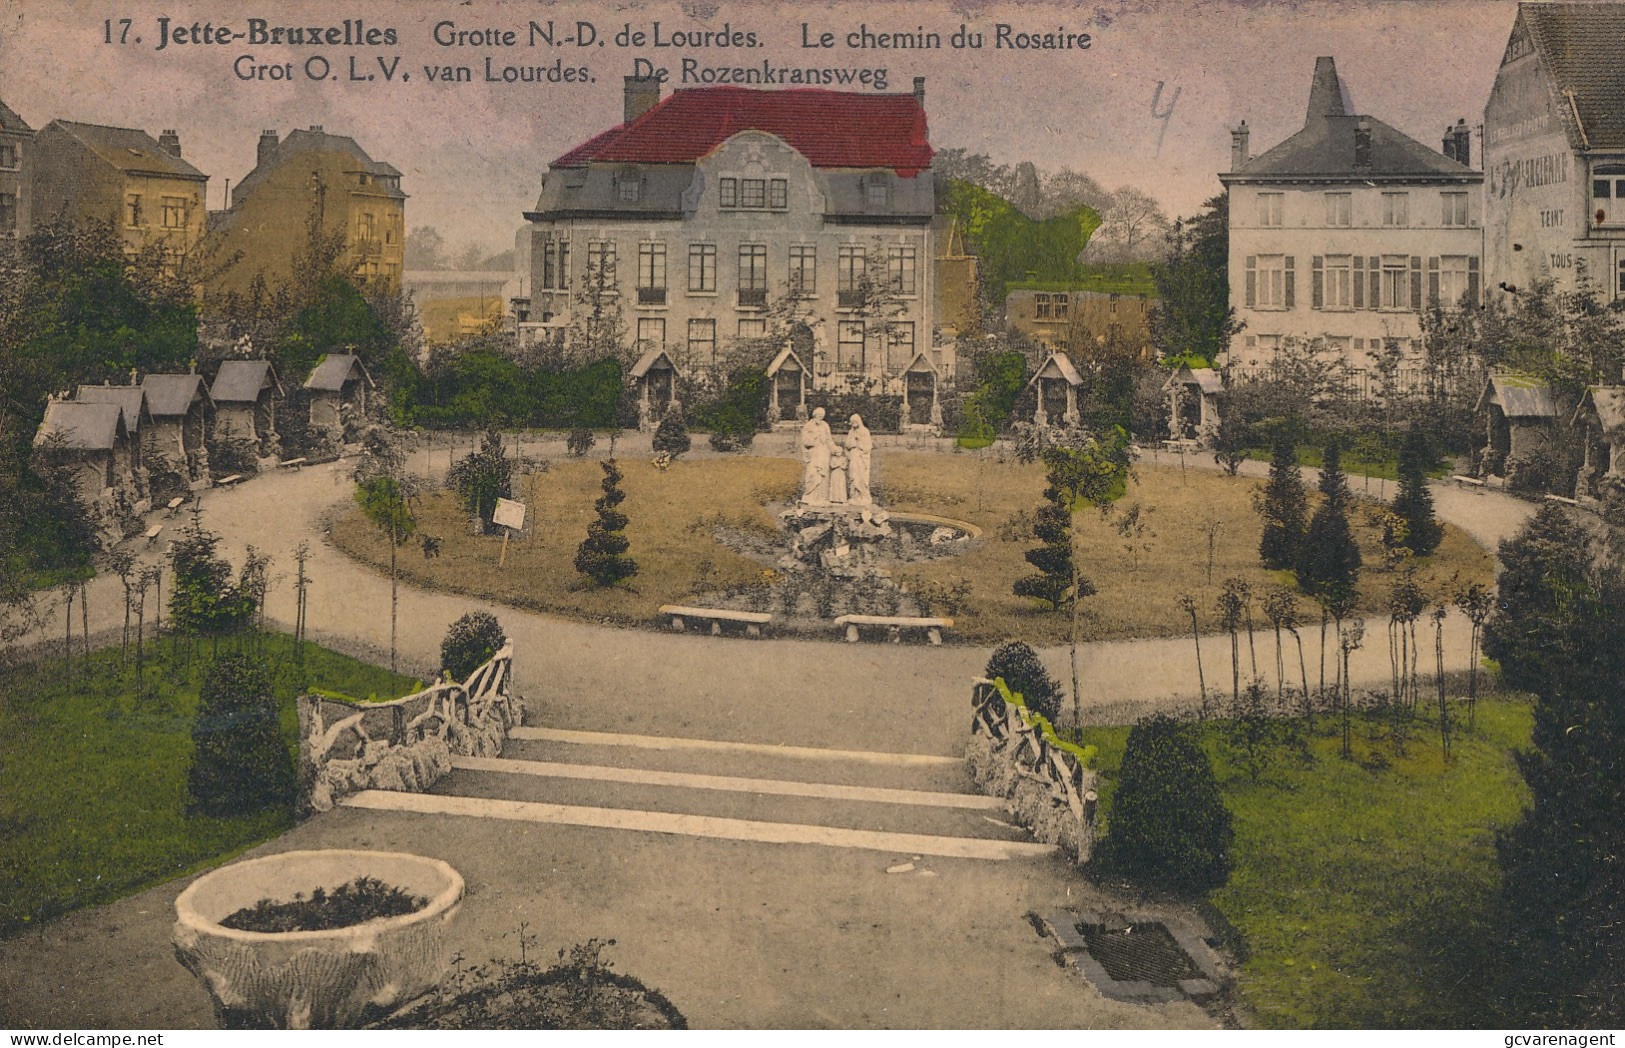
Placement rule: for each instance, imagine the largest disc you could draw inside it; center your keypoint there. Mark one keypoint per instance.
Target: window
(753, 275)
(1337, 282)
(876, 193)
(803, 269)
(1270, 208)
(1340, 209)
(1603, 190)
(366, 224)
(8, 213)
(752, 327)
(753, 194)
(1453, 209)
(899, 345)
(1396, 209)
(651, 333)
(601, 261)
(1619, 287)
(702, 341)
(728, 192)
(850, 266)
(8, 156)
(1394, 287)
(628, 189)
(901, 269)
(556, 265)
(778, 194)
(132, 209)
(652, 265)
(849, 346)
(1270, 281)
(1450, 277)
(702, 268)
(1042, 307)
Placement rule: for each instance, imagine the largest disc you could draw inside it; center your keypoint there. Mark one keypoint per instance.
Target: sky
(1150, 102)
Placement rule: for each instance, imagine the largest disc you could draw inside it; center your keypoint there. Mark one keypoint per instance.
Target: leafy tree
(241, 764)
(602, 555)
(385, 491)
(1193, 318)
(1169, 828)
(203, 598)
(1544, 586)
(1329, 562)
(1023, 672)
(1284, 507)
(1231, 441)
(483, 476)
(671, 436)
(1413, 504)
(470, 643)
(735, 415)
(1010, 246)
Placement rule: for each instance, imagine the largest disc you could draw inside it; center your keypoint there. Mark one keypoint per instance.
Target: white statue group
(835, 474)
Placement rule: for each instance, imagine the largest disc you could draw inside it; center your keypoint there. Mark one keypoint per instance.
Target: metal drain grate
(1139, 952)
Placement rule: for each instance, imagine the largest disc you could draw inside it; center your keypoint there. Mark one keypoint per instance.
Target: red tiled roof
(829, 128)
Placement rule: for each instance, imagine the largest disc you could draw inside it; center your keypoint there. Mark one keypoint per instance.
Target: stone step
(779, 801)
(724, 828)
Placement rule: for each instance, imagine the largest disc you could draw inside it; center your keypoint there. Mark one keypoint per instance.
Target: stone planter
(334, 979)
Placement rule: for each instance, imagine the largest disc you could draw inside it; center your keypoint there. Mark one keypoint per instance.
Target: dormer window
(753, 194)
(876, 192)
(629, 187)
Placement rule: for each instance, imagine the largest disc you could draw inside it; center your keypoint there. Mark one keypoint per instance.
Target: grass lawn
(673, 516)
(93, 785)
(1364, 891)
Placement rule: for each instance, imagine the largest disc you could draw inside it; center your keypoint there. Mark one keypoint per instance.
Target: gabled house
(98, 173)
(182, 415)
(1055, 387)
(138, 424)
(654, 377)
(1520, 415)
(246, 394)
(16, 163)
(1600, 417)
(89, 439)
(1194, 396)
(338, 388)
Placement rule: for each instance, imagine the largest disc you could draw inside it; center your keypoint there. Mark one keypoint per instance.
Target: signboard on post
(510, 516)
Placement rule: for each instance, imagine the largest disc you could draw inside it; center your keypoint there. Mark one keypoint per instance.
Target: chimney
(1362, 143)
(1464, 143)
(267, 147)
(170, 142)
(642, 95)
(919, 90)
(1238, 146)
(1450, 143)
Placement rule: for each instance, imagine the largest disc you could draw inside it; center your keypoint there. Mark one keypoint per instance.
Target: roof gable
(1057, 365)
(315, 140)
(649, 360)
(335, 370)
(1518, 396)
(10, 121)
(1582, 49)
(242, 381)
(169, 396)
(80, 426)
(832, 129)
(131, 400)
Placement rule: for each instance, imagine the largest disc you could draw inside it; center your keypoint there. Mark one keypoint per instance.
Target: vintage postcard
(729, 514)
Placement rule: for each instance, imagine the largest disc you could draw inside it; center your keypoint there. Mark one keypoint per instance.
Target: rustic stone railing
(405, 744)
(1045, 787)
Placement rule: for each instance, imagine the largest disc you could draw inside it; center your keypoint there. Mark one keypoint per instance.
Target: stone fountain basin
(335, 979)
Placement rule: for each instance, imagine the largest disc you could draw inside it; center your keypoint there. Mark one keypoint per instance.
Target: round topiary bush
(672, 436)
(470, 643)
(580, 441)
(1168, 827)
(240, 762)
(1023, 672)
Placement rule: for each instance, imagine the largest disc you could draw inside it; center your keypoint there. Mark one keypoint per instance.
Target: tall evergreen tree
(1194, 319)
(1329, 562)
(1413, 504)
(1285, 508)
(1559, 631)
(602, 555)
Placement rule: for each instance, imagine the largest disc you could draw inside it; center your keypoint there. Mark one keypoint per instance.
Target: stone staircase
(905, 804)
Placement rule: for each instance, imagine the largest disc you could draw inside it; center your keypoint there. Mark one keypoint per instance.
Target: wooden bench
(290, 463)
(226, 482)
(753, 620)
(1565, 500)
(176, 503)
(152, 533)
(895, 625)
(1469, 481)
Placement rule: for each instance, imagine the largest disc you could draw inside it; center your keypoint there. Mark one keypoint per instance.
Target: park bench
(895, 625)
(1564, 499)
(226, 482)
(152, 533)
(291, 463)
(1468, 481)
(753, 620)
(176, 503)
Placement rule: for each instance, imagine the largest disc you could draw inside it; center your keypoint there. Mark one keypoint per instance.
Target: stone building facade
(1083, 324)
(1554, 151)
(1342, 235)
(312, 173)
(723, 216)
(89, 172)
